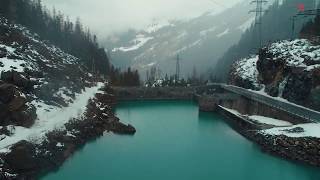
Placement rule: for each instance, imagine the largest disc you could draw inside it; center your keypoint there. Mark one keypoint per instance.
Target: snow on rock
(157, 26)
(137, 43)
(9, 64)
(189, 46)
(207, 31)
(13, 60)
(296, 53)
(59, 144)
(301, 130)
(51, 118)
(223, 33)
(65, 94)
(269, 121)
(246, 69)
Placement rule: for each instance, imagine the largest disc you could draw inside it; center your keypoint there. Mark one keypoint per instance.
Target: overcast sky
(108, 16)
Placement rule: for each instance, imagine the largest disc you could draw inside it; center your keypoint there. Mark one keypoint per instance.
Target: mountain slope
(199, 41)
(49, 104)
(71, 37)
(277, 25)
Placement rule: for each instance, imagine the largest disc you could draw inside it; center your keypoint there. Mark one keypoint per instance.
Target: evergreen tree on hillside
(53, 26)
(276, 25)
(126, 78)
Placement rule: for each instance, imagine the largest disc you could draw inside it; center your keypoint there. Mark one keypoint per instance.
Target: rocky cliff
(285, 69)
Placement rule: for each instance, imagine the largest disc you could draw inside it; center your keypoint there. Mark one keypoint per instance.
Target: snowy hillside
(285, 69)
(47, 81)
(245, 72)
(199, 41)
(297, 53)
(49, 104)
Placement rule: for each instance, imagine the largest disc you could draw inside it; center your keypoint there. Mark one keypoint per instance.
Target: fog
(105, 17)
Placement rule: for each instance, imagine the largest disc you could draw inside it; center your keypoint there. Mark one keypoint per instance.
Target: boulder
(2, 54)
(25, 117)
(7, 92)
(4, 114)
(17, 102)
(16, 78)
(13, 108)
(121, 128)
(22, 157)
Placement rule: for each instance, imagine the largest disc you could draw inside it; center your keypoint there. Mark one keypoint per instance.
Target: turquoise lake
(174, 141)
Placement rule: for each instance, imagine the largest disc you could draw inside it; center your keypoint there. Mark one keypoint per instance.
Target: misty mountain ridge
(200, 42)
(276, 25)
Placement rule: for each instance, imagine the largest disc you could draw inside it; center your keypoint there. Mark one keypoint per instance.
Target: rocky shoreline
(305, 150)
(27, 160)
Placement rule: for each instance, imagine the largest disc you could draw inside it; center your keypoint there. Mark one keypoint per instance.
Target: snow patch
(309, 130)
(207, 31)
(296, 53)
(246, 69)
(223, 33)
(138, 42)
(10, 64)
(59, 144)
(51, 118)
(157, 26)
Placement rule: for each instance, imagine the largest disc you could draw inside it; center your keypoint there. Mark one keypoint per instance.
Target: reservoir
(175, 141)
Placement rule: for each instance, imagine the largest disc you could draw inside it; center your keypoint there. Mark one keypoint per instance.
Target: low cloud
(105, 17)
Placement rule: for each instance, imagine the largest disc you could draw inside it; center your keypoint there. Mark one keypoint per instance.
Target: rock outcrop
(306, 150)
(287, 69)
(14, 108)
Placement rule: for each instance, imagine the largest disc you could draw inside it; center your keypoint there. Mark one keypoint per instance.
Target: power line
(258, 19)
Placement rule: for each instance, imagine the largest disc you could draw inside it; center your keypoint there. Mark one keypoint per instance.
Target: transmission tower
(178, 68)
(258, 19)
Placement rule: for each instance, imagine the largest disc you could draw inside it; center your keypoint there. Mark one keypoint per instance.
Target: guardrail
(288, 107)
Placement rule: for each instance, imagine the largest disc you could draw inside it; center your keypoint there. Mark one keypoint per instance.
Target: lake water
(174, 141)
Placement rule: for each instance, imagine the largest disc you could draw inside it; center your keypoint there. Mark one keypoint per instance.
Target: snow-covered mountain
(199, 41)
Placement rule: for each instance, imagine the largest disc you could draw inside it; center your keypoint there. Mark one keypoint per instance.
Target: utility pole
(258, 19)
(178, 68)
